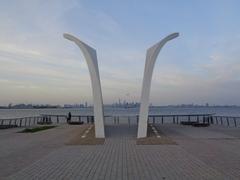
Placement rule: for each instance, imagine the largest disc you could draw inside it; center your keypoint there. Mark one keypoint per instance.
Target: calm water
(12, 113)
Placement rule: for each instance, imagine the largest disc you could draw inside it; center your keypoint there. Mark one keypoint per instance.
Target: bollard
(162, 119)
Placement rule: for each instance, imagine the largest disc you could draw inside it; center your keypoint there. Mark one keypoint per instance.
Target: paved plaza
(201, 153)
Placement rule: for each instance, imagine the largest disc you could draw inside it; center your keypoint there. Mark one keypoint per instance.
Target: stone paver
(18, 150)
(201, 153)
(212, 145)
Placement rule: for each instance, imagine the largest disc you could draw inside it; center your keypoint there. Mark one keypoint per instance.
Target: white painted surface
(151, 57)
(91, 58)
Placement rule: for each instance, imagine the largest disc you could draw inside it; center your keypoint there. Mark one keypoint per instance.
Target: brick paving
(18, 150)
(201, 153)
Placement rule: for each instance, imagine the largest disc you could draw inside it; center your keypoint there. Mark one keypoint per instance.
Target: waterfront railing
(229, 121)
(19, 122)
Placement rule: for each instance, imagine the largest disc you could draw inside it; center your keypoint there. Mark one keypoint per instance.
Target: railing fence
(123, 119)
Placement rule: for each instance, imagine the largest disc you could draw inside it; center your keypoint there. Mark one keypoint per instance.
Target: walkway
(201, 153)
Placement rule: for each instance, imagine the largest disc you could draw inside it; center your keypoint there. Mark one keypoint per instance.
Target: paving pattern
(19, 150)
(201, 153)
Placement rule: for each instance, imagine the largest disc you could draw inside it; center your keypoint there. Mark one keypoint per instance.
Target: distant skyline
(37, 65)
(123, 104)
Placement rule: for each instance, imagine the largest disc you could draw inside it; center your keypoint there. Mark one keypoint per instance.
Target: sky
(39, 66)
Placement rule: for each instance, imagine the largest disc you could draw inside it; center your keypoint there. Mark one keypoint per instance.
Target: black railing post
(25, 121)
(211, 118)
(235, 122)
(227, 121)
(87, 119)
(162, 119)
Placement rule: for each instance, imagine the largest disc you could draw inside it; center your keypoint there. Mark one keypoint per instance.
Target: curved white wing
(91, 58)
(151, 57)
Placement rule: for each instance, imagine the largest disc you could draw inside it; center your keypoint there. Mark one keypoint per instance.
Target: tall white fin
(91, 58)
(152, 54)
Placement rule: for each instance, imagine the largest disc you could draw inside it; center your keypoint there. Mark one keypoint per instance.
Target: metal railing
(123, 119)
(226, 120)
(20, 122)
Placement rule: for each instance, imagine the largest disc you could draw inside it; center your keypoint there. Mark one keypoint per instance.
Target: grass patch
(36, 129)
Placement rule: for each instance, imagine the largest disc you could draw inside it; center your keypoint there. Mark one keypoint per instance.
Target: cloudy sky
(37, 65)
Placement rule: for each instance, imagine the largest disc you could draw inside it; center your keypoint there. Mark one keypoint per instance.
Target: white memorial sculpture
(91, 58)
(151, 57)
